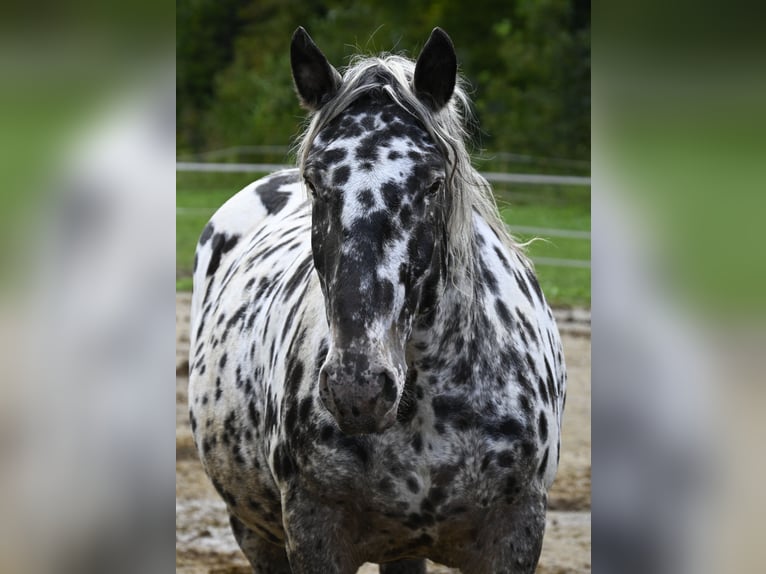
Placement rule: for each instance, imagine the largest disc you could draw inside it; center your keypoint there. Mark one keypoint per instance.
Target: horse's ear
(436, 70)
(316, 81)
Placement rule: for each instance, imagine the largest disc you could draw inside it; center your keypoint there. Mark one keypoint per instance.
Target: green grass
(557, 207)
(553, 207)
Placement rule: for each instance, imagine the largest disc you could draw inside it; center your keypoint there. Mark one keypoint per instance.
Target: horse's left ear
(316, 81)
(436, 70)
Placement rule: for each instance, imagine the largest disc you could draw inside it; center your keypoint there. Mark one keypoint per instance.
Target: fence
(493, 177)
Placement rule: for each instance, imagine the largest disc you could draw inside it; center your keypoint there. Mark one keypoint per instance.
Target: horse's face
(378, 224)
(378, 216)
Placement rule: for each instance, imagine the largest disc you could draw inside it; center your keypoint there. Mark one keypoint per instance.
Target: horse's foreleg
(316, 542)
(264, 557)
(511, 539)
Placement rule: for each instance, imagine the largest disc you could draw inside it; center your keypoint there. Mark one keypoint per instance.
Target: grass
(558, 207)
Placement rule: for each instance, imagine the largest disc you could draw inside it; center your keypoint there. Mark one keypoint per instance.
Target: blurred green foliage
(528, 62)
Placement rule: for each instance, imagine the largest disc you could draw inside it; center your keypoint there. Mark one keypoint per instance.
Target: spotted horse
(375, 373)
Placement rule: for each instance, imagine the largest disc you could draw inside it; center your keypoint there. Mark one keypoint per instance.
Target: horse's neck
(456, 336)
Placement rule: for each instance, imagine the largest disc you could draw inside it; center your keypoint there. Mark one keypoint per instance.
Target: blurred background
(528, 64)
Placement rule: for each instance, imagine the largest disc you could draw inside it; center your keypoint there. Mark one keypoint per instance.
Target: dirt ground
(205, 545)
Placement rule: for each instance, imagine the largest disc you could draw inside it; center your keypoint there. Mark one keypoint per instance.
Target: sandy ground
(205, 545)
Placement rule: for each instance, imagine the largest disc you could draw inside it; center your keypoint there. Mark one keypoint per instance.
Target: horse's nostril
(388, 387)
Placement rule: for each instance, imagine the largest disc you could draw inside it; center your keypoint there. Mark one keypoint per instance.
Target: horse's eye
(311, 187)
(434, 187)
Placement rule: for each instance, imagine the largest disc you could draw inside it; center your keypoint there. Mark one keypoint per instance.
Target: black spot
(549, 379)
(502, 258)
(290, 418)
(305, 409)
(502, 311)
(207, 233)
(333, 156)
(508, 428)
(221, 244)
(270, 416)
(535, 285)
(523, 286)
(412, 484)
(340, 175)
(253, 414)
(392, 195)
(294, 376)
(527, 326)
(284, 466)
(300, 276)
(542, 427)
(527, 448)
(366, 198)
(417, 442)
(368, 148)
(526, 406)
(222, 362)
(488, 277)
(453, 409)
(543, 391)
(238, 316)
(543, 464)
(273, 199)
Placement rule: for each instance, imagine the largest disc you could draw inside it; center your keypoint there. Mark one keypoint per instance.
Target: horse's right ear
(316, 81)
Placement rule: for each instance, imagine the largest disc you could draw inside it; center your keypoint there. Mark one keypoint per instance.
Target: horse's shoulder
(248, 207)
(268, 198)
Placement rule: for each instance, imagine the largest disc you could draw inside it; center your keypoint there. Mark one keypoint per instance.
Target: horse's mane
(392, 75)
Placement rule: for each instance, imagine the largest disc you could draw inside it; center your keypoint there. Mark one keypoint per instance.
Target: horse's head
(377, 177)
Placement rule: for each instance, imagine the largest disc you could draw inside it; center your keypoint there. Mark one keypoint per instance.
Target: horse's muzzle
(360, 403)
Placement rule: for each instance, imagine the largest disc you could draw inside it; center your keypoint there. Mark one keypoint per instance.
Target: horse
(375, 374)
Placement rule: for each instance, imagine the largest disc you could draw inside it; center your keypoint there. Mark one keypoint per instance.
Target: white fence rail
(522, 178)
(527, 178)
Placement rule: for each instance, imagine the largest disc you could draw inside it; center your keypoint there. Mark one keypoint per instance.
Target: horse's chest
(414, 479)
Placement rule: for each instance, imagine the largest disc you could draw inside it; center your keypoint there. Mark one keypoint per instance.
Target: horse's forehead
(371, 135)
